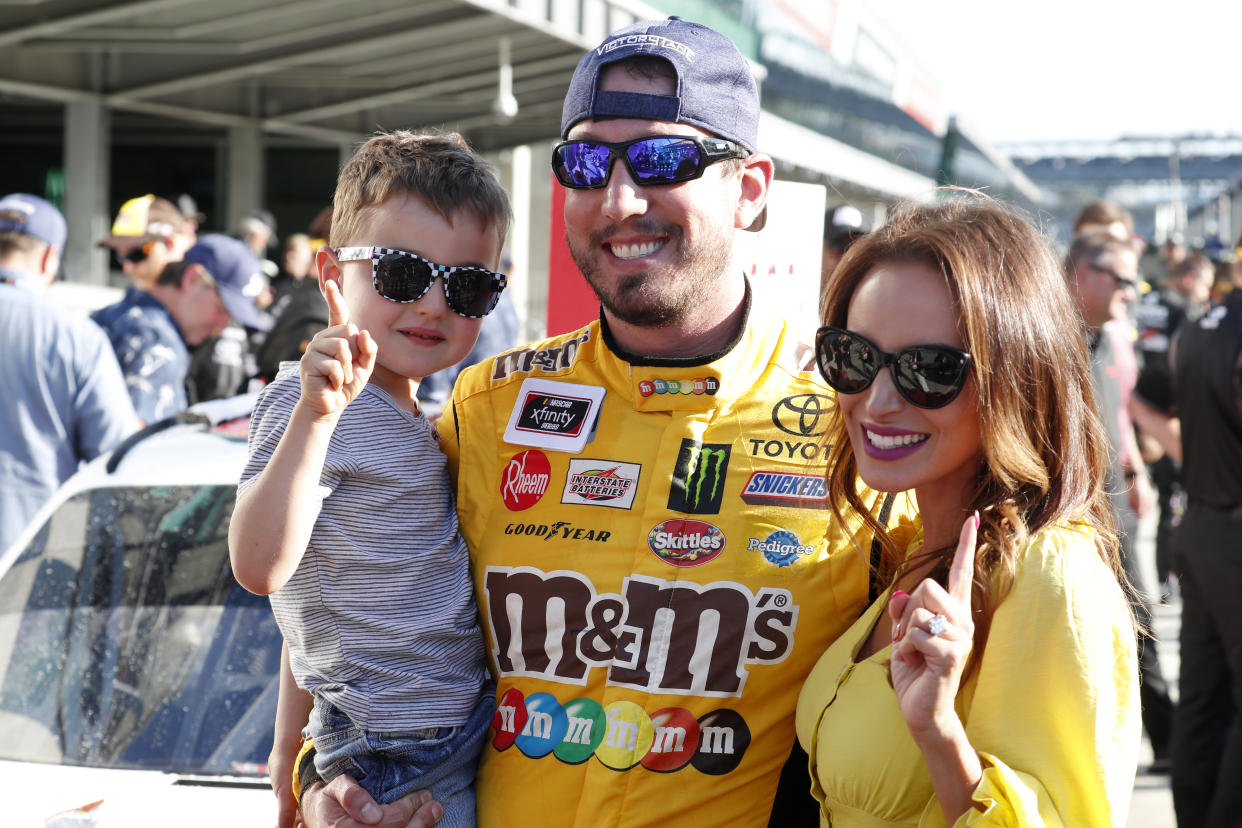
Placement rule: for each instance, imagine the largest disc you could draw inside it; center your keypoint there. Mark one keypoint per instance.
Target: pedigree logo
(620, 735)
(685, 543)
(781, 548)
(525, 479)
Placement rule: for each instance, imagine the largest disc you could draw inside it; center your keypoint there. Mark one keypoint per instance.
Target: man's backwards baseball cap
(715, 88)
(238, 274)
(32, 216)
(143, 218)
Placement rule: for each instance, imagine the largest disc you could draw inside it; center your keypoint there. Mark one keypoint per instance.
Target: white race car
(138, 680)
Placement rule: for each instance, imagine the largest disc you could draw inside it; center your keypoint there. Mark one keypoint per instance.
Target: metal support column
(87, 158)
(247, 175)
(530, 187)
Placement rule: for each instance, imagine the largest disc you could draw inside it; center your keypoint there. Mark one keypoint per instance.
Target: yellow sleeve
(1055, 710)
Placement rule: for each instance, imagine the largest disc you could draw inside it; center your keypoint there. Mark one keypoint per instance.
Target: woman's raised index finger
(338, 311)
(962, 572)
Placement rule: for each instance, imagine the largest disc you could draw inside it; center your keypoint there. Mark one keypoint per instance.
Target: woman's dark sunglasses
(400, 276)
(927, 376)
(656, 159)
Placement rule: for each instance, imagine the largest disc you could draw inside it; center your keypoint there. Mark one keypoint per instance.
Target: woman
(994, 680)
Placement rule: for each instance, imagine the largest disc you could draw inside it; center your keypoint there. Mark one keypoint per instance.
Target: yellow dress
(1053, 708)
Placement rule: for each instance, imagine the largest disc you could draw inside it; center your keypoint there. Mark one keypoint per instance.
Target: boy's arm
(273, 519)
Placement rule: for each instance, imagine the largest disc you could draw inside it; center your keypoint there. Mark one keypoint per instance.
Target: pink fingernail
(976, 519)
(900, 592)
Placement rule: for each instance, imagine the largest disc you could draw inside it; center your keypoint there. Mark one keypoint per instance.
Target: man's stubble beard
(656, 298)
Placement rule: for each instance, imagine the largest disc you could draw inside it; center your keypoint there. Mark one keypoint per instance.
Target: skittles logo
(620, 735)
(684, 542)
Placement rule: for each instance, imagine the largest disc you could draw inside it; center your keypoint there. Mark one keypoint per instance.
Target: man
(1103, 277)
(258, 231)
(298, 311)
(191, 301)
(1186, 295)
(644, 498)
(66, 400)
(148, 233)
(1207, 732)
(1174, 252)
(843, 225)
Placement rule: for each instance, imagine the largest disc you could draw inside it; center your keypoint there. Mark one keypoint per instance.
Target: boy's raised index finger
(338, 311)
(962, 572)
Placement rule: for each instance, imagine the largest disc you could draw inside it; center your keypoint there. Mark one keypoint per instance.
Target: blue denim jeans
(390, 765)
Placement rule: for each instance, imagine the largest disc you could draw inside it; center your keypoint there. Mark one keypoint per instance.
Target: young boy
(345, 514)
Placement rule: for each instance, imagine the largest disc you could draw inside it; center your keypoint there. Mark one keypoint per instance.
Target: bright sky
(1080, 68)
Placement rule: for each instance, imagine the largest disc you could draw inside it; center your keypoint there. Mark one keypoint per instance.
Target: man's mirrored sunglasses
(401, 276)
(927, 376)
(657, 159)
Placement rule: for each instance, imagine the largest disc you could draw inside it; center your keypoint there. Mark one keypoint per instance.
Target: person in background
(149, 232)
(192, 300)
(1174, 252)
(1206, 358)
(258, 232)
(994, 681)
(498, 333)
(843, 225)
(298, 312)
(1107, 217)
(1185, 295)
(66, 401)
(224, 364)
(1102, 272)
(297, 262)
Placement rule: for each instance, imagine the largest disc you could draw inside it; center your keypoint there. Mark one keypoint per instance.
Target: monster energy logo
(698, 480)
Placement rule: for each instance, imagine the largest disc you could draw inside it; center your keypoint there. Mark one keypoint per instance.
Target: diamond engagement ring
(937, 625)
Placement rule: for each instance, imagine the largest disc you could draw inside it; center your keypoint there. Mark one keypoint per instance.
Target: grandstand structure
(1190, 184)
(254, 103)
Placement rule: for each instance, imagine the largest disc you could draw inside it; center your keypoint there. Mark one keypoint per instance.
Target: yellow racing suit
(653, 600)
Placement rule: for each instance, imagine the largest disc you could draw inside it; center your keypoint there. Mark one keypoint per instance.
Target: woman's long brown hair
(1044, 448)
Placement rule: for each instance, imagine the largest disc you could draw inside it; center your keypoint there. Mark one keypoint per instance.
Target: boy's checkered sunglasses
(401, 276)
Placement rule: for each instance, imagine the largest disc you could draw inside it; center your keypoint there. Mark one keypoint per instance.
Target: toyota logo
(800, 415)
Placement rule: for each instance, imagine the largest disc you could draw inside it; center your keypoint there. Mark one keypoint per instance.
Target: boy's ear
(328, 268)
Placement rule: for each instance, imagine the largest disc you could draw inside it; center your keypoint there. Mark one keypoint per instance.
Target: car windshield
(126, 643)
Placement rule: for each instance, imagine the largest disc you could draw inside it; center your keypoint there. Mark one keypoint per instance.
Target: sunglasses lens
(138, 254)
(581, 164)
(847, 363)
(664, 160)
(929, 377)
(471, 292)
(401, 278)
